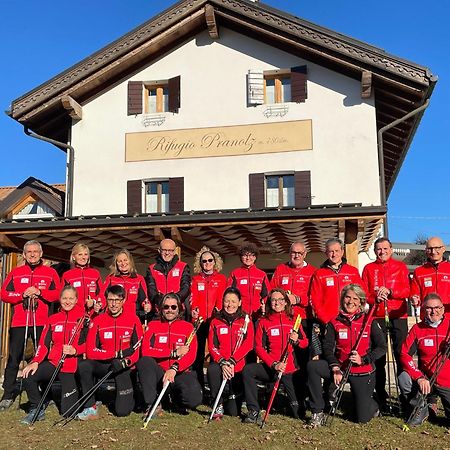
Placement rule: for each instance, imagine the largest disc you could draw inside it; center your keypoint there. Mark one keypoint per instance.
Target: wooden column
(351, 242)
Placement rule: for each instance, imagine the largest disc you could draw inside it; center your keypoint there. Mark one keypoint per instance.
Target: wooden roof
(399, 86)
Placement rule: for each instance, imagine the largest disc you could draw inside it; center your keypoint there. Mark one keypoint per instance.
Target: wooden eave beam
(73, 108)
(184, 239)
(211, 24)
(366, 84)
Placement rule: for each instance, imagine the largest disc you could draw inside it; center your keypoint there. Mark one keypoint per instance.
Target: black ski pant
(16, 344)
(90, 370)
(69, 390)
(185, 390)
(202, 335)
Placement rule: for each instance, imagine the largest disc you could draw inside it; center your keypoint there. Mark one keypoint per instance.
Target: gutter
(69, 165)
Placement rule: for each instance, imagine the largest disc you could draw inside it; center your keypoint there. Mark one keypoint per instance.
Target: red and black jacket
(113, 337)
(207, 292)
(272, 336)
(222, 339)
(393, 275)
(161, 340)
(429, 343)
(58, 332)
(295, 280)
(253, 286)
(326, 287)
(340, 338)
(18, 280)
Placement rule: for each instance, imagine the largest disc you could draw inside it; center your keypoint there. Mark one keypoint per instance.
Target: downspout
(381, 154)
(70, 161)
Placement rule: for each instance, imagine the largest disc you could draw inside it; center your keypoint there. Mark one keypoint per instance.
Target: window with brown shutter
(134, 197)
(302, 189)
(299, 91)
(135, 93)
(176, 194)
(256, 190)
(174, 86)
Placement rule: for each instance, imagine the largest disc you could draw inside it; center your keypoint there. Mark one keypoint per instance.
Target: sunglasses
(204, 261)
(172, 307)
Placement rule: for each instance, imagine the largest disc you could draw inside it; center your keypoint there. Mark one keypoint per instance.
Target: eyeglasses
(166, 250)
(433, 308)
(172, 307)
(434, 249)
(115, 300)
(204, 261)
(298, 253)
(248, 255)
(278, 300)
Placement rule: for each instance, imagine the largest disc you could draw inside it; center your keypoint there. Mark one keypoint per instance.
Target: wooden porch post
(351, 242)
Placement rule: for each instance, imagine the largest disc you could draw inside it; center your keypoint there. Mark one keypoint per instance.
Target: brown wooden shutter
(256, 190)
(302, 189)
(298, 84)
(176, 194)
(134, 97)
(134, 197)
(174, 94)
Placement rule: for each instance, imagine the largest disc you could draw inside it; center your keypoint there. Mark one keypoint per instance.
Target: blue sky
(41, 39)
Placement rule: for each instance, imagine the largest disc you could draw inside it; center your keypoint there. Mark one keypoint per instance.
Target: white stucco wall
(343, 162)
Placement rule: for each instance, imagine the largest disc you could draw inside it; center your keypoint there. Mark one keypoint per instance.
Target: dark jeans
(185, 390)
(69, 390)
(202, 335)
(16, 343)
(90, 369)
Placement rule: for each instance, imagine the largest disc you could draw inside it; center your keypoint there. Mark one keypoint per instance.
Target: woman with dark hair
(274, 334)
(207, 289)
(341, 335)
(123, 272)
(228, 327)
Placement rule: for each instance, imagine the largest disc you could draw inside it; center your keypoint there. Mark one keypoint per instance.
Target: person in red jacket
(227, 359)
(339, 350)
(123, 272)
(328, 281)
(207, 289)
(251, 281)
(273, 333)
(168, 274)
(428, 339)
(29, 289)
(387, 282)
(432, 276)
(111, 345)
(63, 327)
(166, 357)
(85, 279)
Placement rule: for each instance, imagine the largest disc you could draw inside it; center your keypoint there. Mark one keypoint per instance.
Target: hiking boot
(158, 412)
(90, 413)
(433, 410)
(5, 404)
(29, 417)
(419, 417)
(253, 417)
(317, 419)
(219, 412)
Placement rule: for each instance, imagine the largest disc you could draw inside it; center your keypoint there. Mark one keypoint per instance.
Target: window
(156, 98)
(277, 89)
(280, 190)
(33, 210)
(157, 196)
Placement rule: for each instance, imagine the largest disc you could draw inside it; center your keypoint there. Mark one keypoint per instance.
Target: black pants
(69, 391)
(399, 330)
(185, 390)
(202, 336)
(259, 372)
(16, 343)
(362, 387)
(90, 369)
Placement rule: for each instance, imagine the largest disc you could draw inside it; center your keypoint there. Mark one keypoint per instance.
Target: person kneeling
(165, 357)
(111, 346)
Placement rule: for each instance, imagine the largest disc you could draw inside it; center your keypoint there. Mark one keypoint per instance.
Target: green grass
(172, 431)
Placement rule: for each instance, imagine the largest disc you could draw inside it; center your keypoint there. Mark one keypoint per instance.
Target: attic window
(34, 209)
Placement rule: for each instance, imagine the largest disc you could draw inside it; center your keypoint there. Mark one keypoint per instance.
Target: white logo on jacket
(107, 335)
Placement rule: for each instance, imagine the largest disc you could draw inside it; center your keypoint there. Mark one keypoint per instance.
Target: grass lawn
(172, 431)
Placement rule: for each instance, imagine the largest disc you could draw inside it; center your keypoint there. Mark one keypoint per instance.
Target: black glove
(127, 352)
(120, 364)
(30, 303)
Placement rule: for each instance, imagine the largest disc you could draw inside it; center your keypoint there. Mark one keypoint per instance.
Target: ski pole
(24, 351)
(33, 311)
(156, 404)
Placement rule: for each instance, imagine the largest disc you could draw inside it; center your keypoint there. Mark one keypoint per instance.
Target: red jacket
(162, 337)
(427, 342)
(58, 332)
(134, 286)
(326, 287)
(430, 278)
(393, 275)
(253, 285)
(340, 339)
(87, 282)
(207, 292)
(18, 280)
(108, 336)
(223, 337)
(272, 336)
(296, 281)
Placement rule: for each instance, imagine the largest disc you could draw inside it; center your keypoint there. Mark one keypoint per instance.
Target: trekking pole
(23, 353)
(242, 333)
(346, 374)
(33, 311)
(56, 371)
(284, 358)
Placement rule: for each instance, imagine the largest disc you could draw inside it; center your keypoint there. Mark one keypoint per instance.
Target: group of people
(155, 331)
